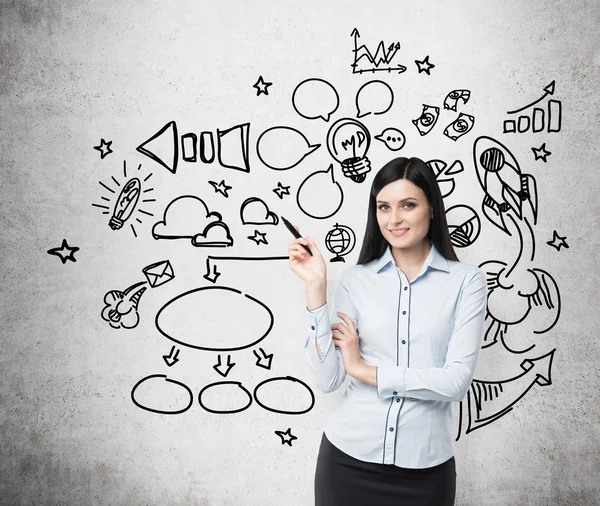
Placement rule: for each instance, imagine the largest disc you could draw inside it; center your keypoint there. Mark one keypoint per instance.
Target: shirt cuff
(318, 328)
(391, 381)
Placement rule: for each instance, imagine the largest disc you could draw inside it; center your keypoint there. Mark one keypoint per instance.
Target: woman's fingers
(348, 321)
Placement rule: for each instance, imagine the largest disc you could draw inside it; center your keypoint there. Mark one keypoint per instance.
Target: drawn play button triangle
(163, 147)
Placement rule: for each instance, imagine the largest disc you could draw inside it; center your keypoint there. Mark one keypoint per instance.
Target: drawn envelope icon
(159, 273)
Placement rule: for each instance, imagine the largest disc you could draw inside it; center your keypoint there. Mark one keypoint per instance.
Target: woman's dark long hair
(421, 175)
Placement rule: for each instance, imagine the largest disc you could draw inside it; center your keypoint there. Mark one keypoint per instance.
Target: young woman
(406, 325)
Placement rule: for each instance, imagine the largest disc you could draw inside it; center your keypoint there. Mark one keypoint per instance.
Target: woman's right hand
(308, 268)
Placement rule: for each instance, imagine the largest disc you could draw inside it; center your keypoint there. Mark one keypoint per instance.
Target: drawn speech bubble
(281, 148)
(201, 319)
(320, 196)
(315, 98)
(374, 97)
(393, 138)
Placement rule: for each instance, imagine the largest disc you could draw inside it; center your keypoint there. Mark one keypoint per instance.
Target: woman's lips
(399, 232)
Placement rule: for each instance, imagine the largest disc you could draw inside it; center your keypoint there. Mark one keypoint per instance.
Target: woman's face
(402, 205)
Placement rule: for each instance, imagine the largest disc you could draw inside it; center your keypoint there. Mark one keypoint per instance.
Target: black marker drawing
(424, 65)
(207, 147)
(286, 437)
(159, 273)
(104, 148)
(320, 196)
(225, 397)
(121, 307)
(126, 202)
(381, 61)
(233, 145)
(348, 142)
(286, 399)
(261, 86)
(64, 252)
(211, 272)
(159, 393)
(460, 126)
(281, 190)
(427, 120)
(442, 170)
(464, 225)
(171, 359)
(254, 211)
(163, 150)
(487, 401)
(315, 98)
(188, 217)
(223, 369)
(501, 179)
(258, 237)
(451, 100)
(221, 187)
(282, 148)
(555, 241)
(393, 138)
(541, 153)
(549, 119)
(375, 97)
(263, 360)
(340, 241)
(189, 147)
(209, 310)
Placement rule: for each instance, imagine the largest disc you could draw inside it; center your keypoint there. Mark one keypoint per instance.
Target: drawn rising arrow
(227, 367)
(264, 357)
(549, 90)
(487, 401)
(171, 359)
(211, 275)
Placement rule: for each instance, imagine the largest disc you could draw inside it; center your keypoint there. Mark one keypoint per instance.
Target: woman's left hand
(345, 338)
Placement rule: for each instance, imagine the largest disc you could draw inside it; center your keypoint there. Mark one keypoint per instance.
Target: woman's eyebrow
(407, 198)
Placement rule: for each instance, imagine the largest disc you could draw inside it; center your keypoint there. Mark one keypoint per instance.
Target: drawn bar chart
(536, 119)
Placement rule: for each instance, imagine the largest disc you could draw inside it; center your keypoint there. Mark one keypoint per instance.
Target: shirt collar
(434, 259)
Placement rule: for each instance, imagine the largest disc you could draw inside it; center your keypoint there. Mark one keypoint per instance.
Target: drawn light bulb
(348, 141)
(126, 203)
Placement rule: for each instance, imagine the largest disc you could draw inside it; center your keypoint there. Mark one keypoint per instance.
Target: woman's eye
(409, 204)
(382, 207)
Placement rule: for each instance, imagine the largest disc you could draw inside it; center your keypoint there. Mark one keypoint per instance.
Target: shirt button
(395, 393)
(406, 287)
(312, 327)
(391, 429)
(403, 341)
(403, 312)
(398, 400)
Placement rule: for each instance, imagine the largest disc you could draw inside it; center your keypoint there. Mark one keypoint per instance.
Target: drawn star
(261, 86)
(424, 65)
(541, 153)
(281, 190)
(220, 187)
(286, 437)
(555, 238)
(60, 252)
(258, 237)
(104, 148)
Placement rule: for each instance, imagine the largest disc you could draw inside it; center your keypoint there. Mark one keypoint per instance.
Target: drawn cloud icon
(254, 211)
(188, 217)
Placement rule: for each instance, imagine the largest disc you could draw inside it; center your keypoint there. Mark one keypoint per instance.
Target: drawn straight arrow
(171, 359)
(218, 366)
(263, 357)
(487, 401)
(549, 90)
(211, 274)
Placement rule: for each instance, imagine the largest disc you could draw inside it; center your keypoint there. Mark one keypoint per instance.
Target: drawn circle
(427, 119)
(492, 159)
(464, 225)
(461, 125)
(241, 387)
(294, 381)
(162, 411)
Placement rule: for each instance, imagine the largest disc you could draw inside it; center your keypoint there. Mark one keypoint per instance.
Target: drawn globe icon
(340, 241)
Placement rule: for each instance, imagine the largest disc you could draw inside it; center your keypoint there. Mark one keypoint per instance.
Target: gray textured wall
(72, 73)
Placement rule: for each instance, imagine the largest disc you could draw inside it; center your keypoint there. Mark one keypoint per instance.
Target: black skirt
(342, 480)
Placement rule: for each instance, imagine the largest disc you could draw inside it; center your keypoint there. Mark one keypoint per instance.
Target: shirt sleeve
(451, 382)
(329, 372)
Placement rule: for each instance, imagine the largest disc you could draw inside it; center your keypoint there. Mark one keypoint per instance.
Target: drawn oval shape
(159, 394)
(225, 397)
(285, 394)
(215, 318)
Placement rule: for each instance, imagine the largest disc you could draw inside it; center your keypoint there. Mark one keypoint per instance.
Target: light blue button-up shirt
(424, 337)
